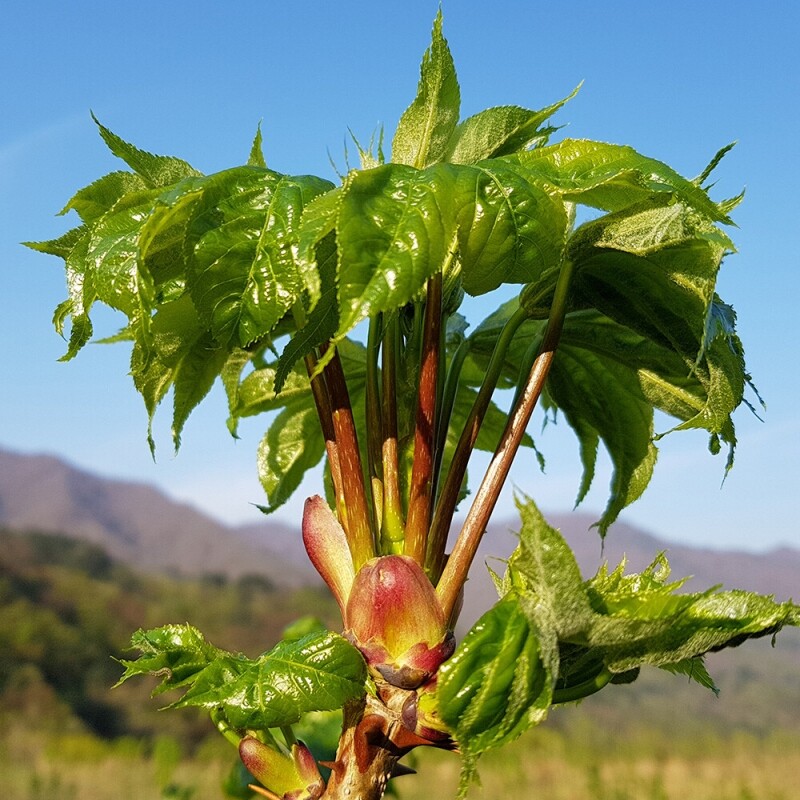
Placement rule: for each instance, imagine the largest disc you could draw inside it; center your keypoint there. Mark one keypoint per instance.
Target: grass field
(555, 768)
(65, 735)
(588, 765)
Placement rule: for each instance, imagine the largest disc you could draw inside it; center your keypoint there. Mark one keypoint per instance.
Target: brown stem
(419, 504)
(458, 564)
(486, 497)
(446, 505)
(322, 401)
(365, 759)
(356, 510)
(374, 421)
(375, 736)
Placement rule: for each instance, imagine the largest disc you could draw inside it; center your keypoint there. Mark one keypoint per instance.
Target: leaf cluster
(336, 309)
(320, 671)
(554, 638)
(246, 273)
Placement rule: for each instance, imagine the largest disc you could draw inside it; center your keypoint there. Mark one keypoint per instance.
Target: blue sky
(676, 81)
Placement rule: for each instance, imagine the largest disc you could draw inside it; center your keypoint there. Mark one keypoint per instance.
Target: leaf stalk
(392, 521)
(457, 567)
(355, 511)
(446, 505)
(419, 504)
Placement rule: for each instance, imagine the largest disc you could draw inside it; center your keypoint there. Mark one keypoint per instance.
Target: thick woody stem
(376, 734)
(419, 504)
(366, 757)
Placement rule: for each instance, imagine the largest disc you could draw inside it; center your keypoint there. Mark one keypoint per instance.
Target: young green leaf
(319, 672)
(318, 225)
(291, 446)
(73, 248)
(165, 247)
(175, 653)
(611, 177)
(321, 324)
(554, 595)
(510, 229)
(256, 158)
(177, 353)
(500, 131)
(664, 293)
(497, 684)
(155, 171)
(97, 198)
(425, 128)
(602, 400)
(257, 393)
(393, 231)
(231, 375)
(243, 276)
(695, 670)
(640, 621)
(626, 621)
(199, 368)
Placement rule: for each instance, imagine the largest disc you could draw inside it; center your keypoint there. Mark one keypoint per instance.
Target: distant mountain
(139, 525)
(135, 523)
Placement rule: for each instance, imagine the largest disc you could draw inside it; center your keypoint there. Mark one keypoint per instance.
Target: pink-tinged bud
(429, 724)
(290, 777)
(394, 617)
(326, 545)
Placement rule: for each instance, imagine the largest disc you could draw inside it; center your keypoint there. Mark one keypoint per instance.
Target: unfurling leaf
(175, 653)
(319, 672)
(555, 638)
(425, 128)
(626, 621)
(497, 684)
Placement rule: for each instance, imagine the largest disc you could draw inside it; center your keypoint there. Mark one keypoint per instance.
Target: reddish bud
(326, 545)
(394, 617)
(290, 777)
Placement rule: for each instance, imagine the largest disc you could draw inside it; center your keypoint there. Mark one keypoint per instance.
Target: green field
(545, 764)
(65, 734)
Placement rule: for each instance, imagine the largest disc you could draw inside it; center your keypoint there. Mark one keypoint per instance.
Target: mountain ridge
(140, 525)
(135, 522)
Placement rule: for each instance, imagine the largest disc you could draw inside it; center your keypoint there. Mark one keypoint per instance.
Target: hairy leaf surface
(500, 131)
(426, 125)
(611, 177)
(497, 684)
(320, 671)
(632, 620)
